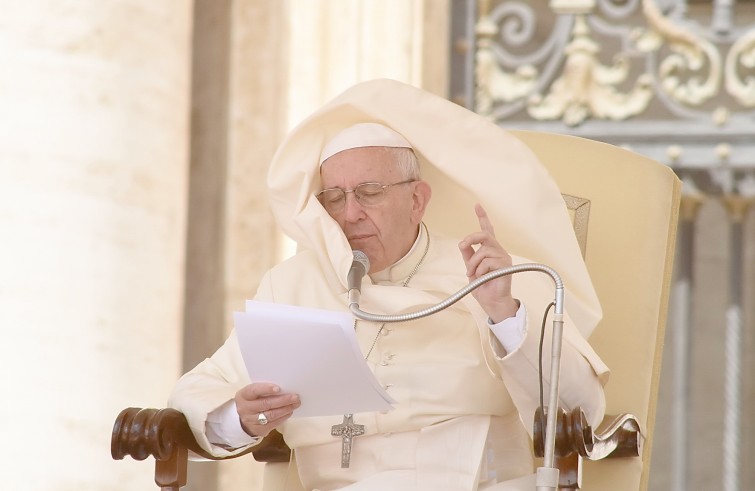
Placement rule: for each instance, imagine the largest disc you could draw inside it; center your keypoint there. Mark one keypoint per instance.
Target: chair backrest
(625, 208)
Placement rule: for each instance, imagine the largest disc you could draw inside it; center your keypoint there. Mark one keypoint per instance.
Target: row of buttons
(386, 359)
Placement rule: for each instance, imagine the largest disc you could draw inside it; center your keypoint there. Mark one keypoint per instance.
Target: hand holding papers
(311, 352)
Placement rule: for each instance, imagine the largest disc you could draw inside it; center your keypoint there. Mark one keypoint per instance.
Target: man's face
(387, 230)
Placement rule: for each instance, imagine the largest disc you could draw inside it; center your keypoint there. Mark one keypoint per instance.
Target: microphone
(359, 268)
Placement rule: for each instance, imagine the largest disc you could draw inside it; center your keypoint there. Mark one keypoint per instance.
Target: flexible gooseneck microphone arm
(547, 476)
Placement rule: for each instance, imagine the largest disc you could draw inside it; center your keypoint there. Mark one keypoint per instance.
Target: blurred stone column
(93, 171)
(737, 207)
(240, 99)
(680, 336)
(336, 44)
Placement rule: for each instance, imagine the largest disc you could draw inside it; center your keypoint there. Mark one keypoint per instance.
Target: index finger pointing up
(485, 224)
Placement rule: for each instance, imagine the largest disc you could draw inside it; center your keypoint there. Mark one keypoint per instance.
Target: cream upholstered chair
(624, 208)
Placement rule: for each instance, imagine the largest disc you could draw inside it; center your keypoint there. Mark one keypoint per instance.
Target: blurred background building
(134, 141)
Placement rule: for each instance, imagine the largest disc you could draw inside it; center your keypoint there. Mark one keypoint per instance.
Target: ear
(420, 199)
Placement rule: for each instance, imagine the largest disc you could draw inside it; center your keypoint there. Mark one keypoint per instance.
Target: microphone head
(362, 259)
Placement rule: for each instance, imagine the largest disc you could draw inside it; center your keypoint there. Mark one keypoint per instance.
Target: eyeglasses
(367, 194)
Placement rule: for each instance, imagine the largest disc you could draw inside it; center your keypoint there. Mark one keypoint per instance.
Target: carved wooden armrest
(617, 436)
(165, 435)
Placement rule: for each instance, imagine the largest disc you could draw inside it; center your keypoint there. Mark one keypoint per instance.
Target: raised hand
(495, 295)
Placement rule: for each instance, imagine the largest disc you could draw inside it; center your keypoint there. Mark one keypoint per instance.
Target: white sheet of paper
(311, 352)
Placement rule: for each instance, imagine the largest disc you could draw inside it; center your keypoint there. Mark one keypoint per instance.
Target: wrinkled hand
(495, 295)
(265, 398)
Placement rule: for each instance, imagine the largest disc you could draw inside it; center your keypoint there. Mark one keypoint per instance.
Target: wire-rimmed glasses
(367, 194)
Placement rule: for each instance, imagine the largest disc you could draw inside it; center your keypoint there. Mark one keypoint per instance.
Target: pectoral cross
(347, 430)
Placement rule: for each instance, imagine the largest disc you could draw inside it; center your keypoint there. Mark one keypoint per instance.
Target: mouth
(358, 238)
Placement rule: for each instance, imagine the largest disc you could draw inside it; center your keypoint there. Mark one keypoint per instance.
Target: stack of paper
(310, 352)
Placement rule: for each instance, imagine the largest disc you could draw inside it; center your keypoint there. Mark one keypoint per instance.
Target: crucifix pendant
(347, 430)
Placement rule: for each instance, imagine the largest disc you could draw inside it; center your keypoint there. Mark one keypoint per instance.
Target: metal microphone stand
(547, 475)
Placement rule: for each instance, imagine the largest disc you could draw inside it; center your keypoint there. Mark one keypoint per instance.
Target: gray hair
(406, 161)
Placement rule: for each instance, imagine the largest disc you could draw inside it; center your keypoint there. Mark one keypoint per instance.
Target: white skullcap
(363, 135)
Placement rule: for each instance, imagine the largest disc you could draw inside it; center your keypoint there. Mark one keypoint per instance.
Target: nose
(352, 209)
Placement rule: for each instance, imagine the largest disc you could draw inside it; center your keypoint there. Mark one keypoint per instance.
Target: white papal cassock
(464, 406)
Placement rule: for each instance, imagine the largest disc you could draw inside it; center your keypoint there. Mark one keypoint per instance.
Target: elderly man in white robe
(359, 175)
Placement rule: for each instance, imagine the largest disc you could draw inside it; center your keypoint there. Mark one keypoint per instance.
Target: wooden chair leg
(170, 474)
(570, 471)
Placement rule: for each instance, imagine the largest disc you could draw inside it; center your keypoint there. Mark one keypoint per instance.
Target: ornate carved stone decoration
(742, 54)
(576, 61)
(494, 83)
(674, 80)
(588, 88)
(690, 54)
